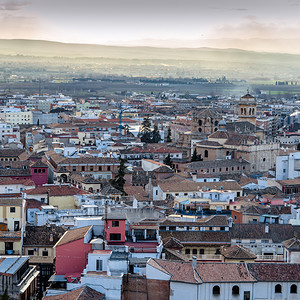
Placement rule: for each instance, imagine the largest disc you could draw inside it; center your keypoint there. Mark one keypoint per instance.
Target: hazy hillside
(50, 49)
(148, 61)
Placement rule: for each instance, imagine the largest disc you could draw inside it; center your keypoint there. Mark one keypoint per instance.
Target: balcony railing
(270, 258)
(206, 256)
(9, 252)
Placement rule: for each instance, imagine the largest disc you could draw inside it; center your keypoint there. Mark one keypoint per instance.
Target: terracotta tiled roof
(289, 182)
(224, 272)
(25, 182)
(10, 152)
(190, 186)
(137, 191)
(83, 293)
(292, 244)
(11, 201)
(73, 235)
(172, 243)
(275, 271)
(209, 143)
(178, 271)
(205, 272)
(237, 252)
(55, 190)
(42, 235)
(219, 135)
(276, 232)
(198, 237)
(32, 203)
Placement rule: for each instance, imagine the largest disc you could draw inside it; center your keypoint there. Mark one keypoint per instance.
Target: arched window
(206, 153)
(293, 289)
(278, 289)
(235, 290)
(200, 129)
(216, 290)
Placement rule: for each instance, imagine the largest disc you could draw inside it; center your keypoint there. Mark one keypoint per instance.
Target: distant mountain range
(52, 49)
(152, 61)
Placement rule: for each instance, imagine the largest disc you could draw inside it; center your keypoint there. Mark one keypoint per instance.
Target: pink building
(115, 230)
(72, 250)
(39, 173)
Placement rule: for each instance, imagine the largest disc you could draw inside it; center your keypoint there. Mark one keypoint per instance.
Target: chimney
(194, 262)
(230, 222)
(51, 237)
(267, 228)
(163, 256)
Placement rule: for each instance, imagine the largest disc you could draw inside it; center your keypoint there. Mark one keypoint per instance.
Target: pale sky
(175, 23)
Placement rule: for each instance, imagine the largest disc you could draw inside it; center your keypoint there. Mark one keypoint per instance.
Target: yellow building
(12, 215)
(18, 118)
(61, 196)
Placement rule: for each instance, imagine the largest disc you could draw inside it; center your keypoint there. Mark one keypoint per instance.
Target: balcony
(34, 259)
(206, 257)
(272, 258)
(9, 252)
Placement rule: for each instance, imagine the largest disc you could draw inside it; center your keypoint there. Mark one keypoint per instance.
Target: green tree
(169, 139)
(155, 135)
(119, 181)
(168, 161)
(146, 133)
(194, 156)
(5, 295)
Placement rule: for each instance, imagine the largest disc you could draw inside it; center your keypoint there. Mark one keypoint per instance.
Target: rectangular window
(115, 224)
(201, 251)
(115, 236)
(91, 168)
(12, 209)
(35, 170)
(195, 251)
(187, 251)
(30, 252)
(45, 253)
(100, 168)
(99, 265)
(108, 168)
(83, 168)
(74, 169)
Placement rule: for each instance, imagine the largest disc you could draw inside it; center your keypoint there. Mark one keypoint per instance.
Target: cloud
(251, 27)
(228, 8)
(13, 5)
(18, 27)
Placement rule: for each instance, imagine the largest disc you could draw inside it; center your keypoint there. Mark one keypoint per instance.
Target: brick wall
(136, 287)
